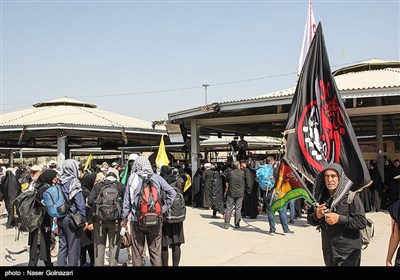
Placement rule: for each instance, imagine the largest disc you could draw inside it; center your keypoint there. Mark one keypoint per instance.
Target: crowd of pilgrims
(208, 190)
(45, 242)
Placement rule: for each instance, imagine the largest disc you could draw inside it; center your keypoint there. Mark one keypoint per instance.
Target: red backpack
(149, 210)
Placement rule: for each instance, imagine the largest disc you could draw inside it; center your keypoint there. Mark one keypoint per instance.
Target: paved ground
(208, 244)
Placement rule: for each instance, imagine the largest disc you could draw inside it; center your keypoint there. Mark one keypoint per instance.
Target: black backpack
(108, 203)
(28, 208)
(177, 212)
(368, 233)
(149, 208)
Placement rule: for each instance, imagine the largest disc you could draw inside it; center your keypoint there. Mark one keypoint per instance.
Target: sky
(146, 59)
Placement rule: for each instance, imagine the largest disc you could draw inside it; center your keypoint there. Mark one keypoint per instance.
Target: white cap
(36, 168)
(133, 157)
(207, 165)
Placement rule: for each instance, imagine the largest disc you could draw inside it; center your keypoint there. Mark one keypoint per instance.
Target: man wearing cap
(52, 164)
(35, 172)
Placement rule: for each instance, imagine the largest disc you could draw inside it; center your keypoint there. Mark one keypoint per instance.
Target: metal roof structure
(84, 124)
(368, 89)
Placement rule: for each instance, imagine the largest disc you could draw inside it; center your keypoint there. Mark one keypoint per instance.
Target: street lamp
(205, 91)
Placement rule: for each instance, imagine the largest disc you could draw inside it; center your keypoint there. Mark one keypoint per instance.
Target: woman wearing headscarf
(69, 237)
(142, 170)
(39, 240)
(172, 234)
(87, 245)
(207, 179)
(10, 189)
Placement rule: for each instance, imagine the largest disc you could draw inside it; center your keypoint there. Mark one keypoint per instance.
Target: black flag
(318, 128)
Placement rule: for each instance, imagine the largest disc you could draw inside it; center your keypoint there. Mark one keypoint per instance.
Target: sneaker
(288, 232)
(291, 222)
(214, 216)
(272, 233)
(226, 225)
(237, 225)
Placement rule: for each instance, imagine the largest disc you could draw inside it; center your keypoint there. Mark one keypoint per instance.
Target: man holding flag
(318, 129)
(322, 146)
(339, 220)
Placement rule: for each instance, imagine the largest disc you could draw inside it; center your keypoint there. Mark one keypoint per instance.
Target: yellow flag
(162, 158)
(89, 159)
(188, 182)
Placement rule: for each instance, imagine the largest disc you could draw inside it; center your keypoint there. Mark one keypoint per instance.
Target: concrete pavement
(209, 244)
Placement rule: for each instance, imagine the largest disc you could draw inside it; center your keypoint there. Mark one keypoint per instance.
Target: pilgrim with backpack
(106, 199)
(172, 228)
(143, 200)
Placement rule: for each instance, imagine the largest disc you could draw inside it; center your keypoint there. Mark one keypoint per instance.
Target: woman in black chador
(172, 234)
(9, 190)
(40, 239)
(216, 197)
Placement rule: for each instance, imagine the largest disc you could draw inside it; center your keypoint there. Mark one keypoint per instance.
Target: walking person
(142, 170)
(69, 237)
(340, 223)
(394, 241)
(107, 194)
(270, 198)
(39, 240)
(251, 194)
(217, 195)
(10, 188)
(87, 245)
(172, 233)
(235, 192)
(207, 180)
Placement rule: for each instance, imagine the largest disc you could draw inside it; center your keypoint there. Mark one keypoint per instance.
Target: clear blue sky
(132, 57)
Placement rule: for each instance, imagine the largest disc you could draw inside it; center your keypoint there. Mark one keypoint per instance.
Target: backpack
(28, 211)
(54, 200)
(265, 176)
(177, 212)
(368, 233)
(108, 203)
(24, 181)
(149, 208)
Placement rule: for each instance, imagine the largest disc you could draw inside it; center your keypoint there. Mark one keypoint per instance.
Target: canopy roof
(85, 125)
(368, 89)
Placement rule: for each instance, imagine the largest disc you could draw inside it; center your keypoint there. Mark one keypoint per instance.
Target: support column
(194, 151)
(194, 146)
(380, 161)
(122, 161)
(11, 159)
(62, 149)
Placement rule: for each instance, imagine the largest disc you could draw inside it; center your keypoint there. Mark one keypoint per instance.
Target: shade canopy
(84, 125)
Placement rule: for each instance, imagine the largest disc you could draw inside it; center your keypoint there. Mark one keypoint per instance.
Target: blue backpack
(54, 200)
(265, 176)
